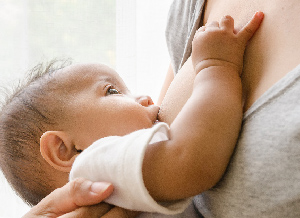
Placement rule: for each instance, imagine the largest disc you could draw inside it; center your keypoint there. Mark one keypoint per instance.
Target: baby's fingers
(213, 24)
(250, 28)
(227, 23)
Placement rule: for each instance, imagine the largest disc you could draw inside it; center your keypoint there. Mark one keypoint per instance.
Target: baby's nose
(144, 100)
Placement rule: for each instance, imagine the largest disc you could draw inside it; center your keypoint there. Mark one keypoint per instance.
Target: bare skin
(270, 55)
(76, 194)
(216, 69)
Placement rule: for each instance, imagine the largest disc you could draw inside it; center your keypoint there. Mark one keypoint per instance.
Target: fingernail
(99, 187)
(260, 14)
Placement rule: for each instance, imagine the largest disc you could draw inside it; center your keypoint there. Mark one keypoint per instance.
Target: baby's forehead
(80, 74)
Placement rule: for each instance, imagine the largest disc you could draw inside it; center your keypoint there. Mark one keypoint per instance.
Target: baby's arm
(203, 135)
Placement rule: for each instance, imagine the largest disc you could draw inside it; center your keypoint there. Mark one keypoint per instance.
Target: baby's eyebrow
(107, 79)
(114, 81)
(100, 84)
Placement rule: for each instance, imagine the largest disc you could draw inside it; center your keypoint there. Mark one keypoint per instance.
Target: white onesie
(119, 159)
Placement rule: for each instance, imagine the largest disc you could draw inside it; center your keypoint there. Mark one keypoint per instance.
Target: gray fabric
(263, 178)
(184, 20)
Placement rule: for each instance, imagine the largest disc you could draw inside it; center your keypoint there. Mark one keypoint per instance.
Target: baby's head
(58, 113)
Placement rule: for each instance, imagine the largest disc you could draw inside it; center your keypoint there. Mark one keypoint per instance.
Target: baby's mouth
(158, 115)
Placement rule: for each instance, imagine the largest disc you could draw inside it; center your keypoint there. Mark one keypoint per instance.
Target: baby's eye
(112, 91)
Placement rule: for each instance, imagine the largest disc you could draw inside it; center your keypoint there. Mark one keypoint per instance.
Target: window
(36, 31)
(127, 35)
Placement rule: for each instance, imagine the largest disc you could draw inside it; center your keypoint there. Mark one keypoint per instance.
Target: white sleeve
(119, 160)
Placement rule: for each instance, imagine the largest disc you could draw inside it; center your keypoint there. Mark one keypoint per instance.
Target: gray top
(263, 177)
(184, 19)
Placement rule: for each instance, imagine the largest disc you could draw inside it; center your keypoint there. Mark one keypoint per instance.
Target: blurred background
(127, 35)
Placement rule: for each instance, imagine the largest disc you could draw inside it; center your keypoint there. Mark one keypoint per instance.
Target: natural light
(127, 35)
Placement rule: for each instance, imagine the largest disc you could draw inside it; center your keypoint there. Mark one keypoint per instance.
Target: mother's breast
(273, 51)
(178, 93)
(270, 55)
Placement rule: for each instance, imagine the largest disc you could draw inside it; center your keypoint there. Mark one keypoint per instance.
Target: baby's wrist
(221, 64)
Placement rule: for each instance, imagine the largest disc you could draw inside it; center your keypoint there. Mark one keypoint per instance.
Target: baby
(82, 121)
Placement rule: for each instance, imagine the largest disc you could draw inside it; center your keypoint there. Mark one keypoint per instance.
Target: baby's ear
(58, 150)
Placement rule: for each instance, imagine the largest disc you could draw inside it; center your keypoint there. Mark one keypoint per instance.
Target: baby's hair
(33, 107)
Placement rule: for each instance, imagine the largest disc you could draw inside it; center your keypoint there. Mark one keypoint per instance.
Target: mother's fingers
(94, 211)
(250, 28)
(77, 193)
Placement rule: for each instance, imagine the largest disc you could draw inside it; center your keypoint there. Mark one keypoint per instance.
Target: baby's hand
(216, 44)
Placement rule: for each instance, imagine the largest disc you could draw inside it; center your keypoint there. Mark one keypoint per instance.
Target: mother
(263, 177)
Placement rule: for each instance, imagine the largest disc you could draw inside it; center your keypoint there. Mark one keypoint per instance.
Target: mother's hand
(79, 198)
(72, 200)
